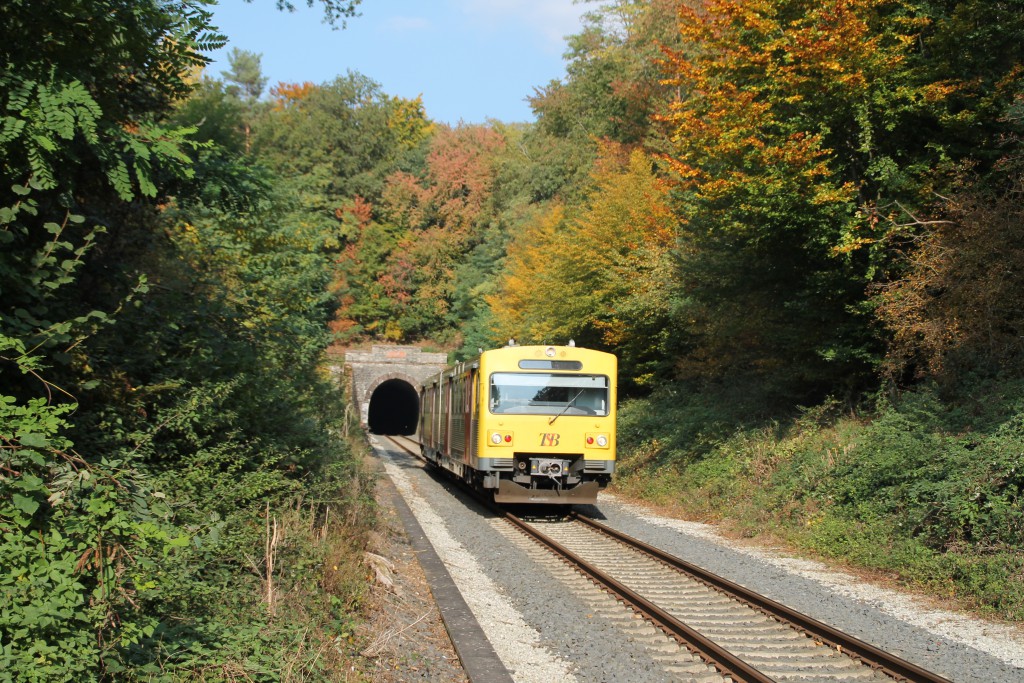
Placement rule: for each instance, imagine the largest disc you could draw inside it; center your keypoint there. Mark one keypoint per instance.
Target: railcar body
(533, 424)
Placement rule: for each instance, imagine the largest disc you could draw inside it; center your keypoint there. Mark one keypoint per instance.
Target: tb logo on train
(532, 424)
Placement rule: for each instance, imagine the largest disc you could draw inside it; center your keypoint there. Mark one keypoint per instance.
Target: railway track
(737, 634)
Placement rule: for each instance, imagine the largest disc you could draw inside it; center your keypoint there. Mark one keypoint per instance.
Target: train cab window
(535, 393)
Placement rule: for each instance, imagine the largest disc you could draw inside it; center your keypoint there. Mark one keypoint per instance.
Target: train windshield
(535, 393)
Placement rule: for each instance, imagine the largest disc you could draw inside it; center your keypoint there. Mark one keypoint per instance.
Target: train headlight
(597, 440)
(500, 438)
(602, 441)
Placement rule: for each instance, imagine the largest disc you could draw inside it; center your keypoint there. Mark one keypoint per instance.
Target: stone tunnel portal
(394, 409)
(385, 385)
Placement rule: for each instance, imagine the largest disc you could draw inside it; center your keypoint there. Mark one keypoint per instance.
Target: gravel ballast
(543, 632)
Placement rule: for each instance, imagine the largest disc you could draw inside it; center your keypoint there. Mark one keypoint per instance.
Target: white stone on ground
(517, 644)
(1001, 641)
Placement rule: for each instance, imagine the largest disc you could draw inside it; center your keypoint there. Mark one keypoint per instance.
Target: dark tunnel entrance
(394, 409)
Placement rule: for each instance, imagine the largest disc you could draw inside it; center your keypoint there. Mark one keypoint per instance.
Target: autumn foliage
(765, 208)
(957, 306)
(719, 189)
(601, 276)
(399, 272)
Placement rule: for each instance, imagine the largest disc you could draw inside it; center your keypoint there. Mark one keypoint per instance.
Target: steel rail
(842, 642)
(723, 660)
(717, 656)
(394, 438)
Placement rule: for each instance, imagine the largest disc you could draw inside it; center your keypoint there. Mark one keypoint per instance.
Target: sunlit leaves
(786, 125)
(285, 95)
(529, 289)
(61, 110)
(399, 274)
(602, 277)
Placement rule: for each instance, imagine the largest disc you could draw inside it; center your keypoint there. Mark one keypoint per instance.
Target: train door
(446, 415)
(424, 423)
(429, 419)
(469, 411)
(437, 417)
(458, 422)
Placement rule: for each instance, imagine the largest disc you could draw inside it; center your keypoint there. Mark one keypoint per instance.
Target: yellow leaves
(409, 119)
(939, 90)
(743, 54)
(529, 285)
(189, 234)
(393, 331)
(772, 84)
(591, 273)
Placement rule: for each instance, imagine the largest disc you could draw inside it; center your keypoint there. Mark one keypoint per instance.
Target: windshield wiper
(567, 406)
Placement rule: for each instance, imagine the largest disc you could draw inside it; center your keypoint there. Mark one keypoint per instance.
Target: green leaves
(208, 384)
(39, 116)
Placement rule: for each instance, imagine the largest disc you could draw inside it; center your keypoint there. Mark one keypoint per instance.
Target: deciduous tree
(602, 277)
(791, 146)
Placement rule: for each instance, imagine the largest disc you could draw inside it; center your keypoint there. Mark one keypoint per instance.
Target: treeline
(817, 197)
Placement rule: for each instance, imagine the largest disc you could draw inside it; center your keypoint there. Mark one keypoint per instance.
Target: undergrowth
(926, 489)
(271, 594)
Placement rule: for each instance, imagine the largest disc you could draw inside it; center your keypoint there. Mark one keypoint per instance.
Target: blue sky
(471, 60)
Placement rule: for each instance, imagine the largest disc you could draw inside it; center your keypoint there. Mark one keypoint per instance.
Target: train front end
(546, 423)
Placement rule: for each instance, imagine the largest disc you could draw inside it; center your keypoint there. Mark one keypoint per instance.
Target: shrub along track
(739, 634)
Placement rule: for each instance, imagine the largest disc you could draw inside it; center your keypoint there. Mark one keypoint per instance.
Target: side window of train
(495, 398)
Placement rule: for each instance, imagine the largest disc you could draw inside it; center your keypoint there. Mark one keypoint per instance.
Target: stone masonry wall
(370, 369)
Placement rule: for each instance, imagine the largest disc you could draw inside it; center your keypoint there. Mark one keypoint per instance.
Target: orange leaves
(772, 87)
(359, 209)
(287, 95)
(405, 271)
(784, 107)
(404, 200)
(740, 52)
(827, 44)
(460, 171)
(830, 42)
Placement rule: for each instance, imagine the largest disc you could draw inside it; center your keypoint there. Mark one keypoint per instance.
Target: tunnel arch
(393, 406)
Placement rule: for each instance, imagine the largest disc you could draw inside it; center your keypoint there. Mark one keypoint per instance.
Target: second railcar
(530, 423)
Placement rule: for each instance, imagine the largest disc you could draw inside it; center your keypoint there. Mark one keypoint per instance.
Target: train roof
(508, 358)
(512, 357)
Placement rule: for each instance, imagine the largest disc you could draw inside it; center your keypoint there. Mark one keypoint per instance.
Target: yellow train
(533, 424)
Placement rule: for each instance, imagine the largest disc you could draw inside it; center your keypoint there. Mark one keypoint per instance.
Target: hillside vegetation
(798, 225)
